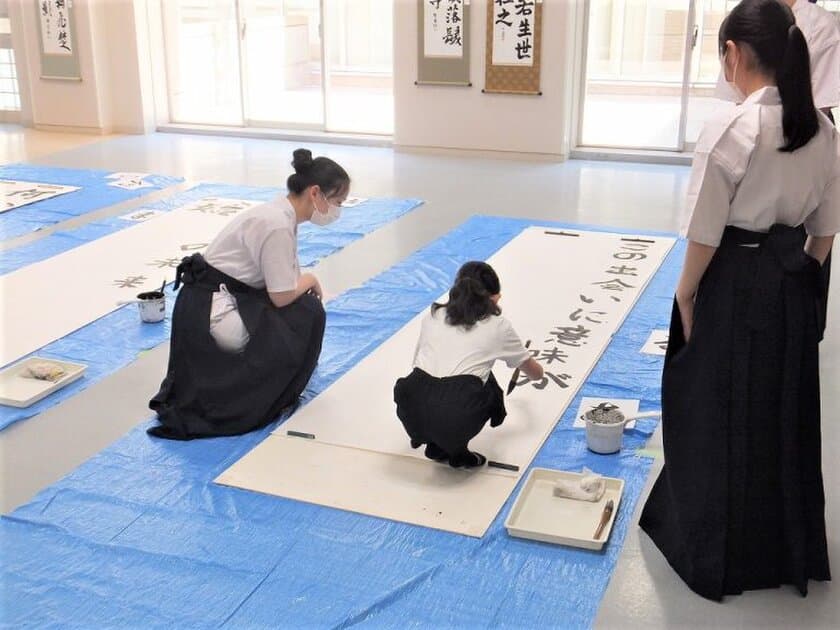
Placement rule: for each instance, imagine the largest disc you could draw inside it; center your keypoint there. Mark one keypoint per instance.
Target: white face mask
(325, 218)
(739, 95)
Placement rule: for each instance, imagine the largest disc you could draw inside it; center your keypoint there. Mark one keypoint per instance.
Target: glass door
(282, 63)
(296, 64)
(202, 52)
(705, 67)
(635, 73)
(359, 66)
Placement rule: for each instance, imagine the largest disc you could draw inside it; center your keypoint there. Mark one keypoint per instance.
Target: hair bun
(301, 160)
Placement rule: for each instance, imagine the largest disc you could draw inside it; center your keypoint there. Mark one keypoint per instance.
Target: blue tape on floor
(113, 341)
(139, 534)
(94, 193)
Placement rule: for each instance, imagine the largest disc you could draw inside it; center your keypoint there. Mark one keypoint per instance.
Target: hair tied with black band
(302, 160)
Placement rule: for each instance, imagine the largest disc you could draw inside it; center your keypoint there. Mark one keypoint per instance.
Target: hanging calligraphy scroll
(443, 50)
(514, 38)
(57, 35)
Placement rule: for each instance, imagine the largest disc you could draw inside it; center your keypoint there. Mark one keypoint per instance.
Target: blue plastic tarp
(94, 193)
(114, 340)
(139, 534)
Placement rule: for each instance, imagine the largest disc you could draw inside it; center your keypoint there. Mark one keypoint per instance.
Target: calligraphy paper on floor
(14, 194)
(56, 296)
(566, 292)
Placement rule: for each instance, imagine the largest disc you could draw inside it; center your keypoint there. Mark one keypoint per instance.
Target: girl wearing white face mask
(247, 326)
(739, 504)
(822, 34)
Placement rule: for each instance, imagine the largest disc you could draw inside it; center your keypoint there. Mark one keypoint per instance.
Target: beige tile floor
(18, 144)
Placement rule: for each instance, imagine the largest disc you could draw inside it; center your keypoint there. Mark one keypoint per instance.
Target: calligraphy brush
(515, 376)
(605, 518)
(163, 286)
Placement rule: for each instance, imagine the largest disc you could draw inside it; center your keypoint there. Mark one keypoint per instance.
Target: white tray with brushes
(539, 515)
(32, 379)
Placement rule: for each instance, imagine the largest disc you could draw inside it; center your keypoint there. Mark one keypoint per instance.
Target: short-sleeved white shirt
(822, 32)
(445, 350)
(259, 247)
(740, 178)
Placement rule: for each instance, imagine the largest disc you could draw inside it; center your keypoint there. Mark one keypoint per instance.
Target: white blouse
(259, 247)
(740, 178)
(822, 32)
(445, 350)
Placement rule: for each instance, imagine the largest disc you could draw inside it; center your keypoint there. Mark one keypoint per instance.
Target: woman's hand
(311, 283)
(685, 304)
(697, 259)
(306, 283)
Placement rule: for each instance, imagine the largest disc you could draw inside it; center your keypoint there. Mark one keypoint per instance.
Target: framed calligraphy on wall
(443, 42)
(57, 37)
(514, 38)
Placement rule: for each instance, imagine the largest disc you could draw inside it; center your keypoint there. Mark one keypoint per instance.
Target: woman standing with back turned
(739, 504)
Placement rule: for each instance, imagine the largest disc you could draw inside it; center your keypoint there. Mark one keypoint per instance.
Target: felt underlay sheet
(566, 292)
(56, 296)
(33, 197)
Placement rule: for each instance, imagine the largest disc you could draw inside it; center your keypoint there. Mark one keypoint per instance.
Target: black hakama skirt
(210, 392)
(739, 504)
(447, 412)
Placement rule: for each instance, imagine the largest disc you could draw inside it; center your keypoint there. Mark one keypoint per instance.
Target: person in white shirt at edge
(822, 32)
(451, 392)
(247, 326)
(739, 504)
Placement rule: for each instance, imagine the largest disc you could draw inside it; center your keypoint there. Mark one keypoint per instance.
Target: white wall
(464, 117)
(123, 36)
(113, 95)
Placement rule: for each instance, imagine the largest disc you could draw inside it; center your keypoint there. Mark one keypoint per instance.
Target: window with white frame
(9, 94)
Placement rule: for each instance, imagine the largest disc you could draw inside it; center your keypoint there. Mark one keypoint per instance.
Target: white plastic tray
(17, 390)
(539, 515)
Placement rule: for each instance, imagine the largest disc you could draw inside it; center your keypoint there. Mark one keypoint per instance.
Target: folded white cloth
(226, 325)
(591, 487)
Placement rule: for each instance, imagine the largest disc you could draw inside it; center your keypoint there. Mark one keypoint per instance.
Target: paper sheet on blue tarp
(114, 340)
(94, 193)
(139, 534)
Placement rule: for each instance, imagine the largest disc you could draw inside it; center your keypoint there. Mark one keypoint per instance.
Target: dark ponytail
(779, 50)
(469, 298)
(323, 172)
(799, 117)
